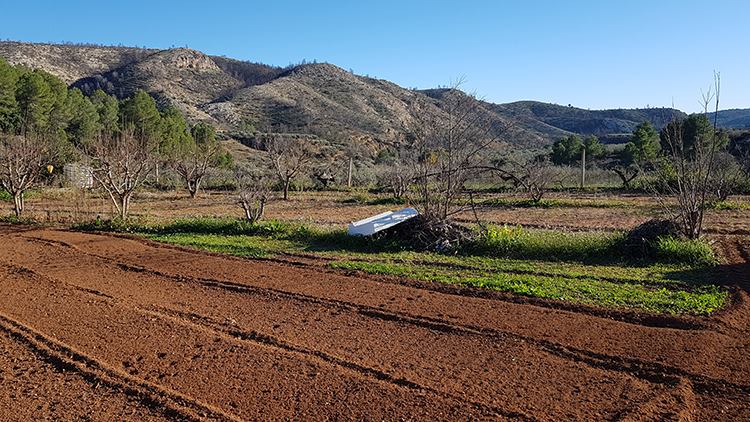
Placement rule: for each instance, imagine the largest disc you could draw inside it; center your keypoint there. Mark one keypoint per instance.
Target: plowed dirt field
(95, 327)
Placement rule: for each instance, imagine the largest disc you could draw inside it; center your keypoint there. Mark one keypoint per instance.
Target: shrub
(641, 241)
(673, 249)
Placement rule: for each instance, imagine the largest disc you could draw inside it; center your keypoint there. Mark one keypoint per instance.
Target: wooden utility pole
(583, 167)
(349, 176)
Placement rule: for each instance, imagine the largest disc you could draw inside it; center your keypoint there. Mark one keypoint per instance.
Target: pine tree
(84, 121)
(643, 146)
(35, 101)
(108, 109)
(9, 118)
(140, 113)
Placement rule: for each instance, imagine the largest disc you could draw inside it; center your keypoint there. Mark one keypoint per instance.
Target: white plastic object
(376, 223)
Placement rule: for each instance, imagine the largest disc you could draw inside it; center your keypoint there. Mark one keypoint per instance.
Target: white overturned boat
(374, 224)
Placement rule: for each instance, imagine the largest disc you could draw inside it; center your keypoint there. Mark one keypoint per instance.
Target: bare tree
(627, 172)
(727, 177)
(396, 178)
(290, 158)
(533, 177)
(450, 149)
(253, 193)
(121, 164)
(194, 163)
(397, 173)
(22, 158)
(686, 169)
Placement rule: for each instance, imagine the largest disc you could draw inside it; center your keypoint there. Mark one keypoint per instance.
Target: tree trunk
(18, 203)
(583, 168)
(124, 206)
(192, 187)
(286, 189)
(248, 214)
(349, 174)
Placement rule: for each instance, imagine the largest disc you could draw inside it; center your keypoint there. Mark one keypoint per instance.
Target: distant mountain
(318, 99)
(738, 118)
(602, 123)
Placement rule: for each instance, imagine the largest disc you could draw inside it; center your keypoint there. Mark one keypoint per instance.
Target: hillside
(319, 99)
(591, 122)
(735, 118)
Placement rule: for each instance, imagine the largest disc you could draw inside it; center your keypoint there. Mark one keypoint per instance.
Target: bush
(641, 241)
(673, 249)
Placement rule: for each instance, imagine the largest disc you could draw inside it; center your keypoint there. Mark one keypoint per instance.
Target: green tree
(108, 109)
(84, 118)
(174, 132)
(641, 151)
(594, 148)
(567, 150)
(9, 118)
(692, 134)
(35, 101)
(644, 145)
(60, 114)
(140, 113)
(204, 134)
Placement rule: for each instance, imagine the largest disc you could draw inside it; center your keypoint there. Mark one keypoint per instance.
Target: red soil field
(96, 327)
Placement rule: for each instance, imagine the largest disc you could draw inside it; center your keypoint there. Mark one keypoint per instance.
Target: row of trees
(44, 125)
(646, 149)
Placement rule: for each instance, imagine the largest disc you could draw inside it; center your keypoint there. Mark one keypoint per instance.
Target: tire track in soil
(645, 370)
(693, 350)
(404, 359)
(50, 388)
(66, 358)
(295, 380)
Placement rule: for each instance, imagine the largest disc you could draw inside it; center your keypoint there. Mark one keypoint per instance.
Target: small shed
(78, 175)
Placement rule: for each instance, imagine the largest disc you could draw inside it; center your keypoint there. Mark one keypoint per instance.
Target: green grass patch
(7, 197)
(700, 300)
(516, 242)
(698, 252)
(245, 246)
(731, 206)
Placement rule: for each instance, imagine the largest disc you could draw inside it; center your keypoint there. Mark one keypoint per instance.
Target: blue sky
(592, 54)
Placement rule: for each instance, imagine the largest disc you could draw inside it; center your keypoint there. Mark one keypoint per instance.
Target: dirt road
(103, 328)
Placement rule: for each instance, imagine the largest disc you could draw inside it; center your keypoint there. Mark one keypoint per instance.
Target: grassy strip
(499, 241)
(701, 301)
(579, 267)
(516, 242)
